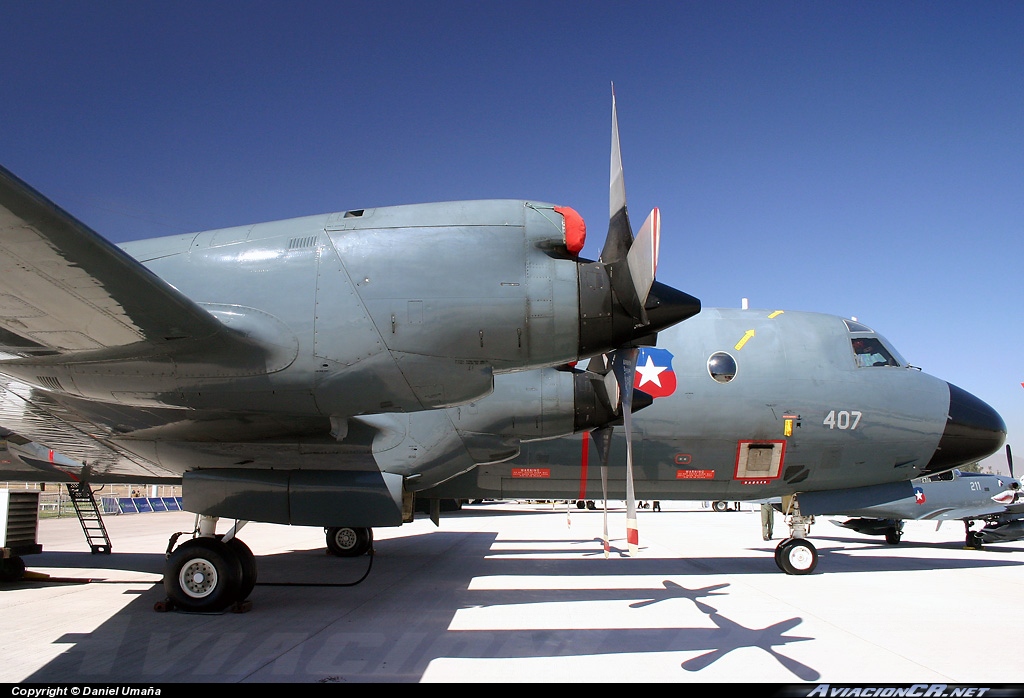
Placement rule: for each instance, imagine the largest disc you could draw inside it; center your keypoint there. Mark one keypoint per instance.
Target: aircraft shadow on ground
(392, 626)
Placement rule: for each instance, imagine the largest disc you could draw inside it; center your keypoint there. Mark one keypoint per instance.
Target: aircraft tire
(249, 567)
(892, 536)
(348, 541)
(12, 569)
(796, 556)
(720, 506)
(203, 575)
(973, 540)
(778, 554)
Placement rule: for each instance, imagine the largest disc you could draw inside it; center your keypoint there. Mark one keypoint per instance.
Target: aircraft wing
(62, 443)
(63, 288)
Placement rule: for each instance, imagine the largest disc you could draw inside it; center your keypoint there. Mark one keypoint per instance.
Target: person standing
(767, 520)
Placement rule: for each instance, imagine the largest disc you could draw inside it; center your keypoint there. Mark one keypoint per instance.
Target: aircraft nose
(973, 431)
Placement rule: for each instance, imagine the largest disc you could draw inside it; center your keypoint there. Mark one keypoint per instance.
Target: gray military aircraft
(993, 500)
(754, 404)
(251, 363)
(317, 372)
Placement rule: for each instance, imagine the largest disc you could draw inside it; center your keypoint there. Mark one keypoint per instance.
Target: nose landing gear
(796, 554)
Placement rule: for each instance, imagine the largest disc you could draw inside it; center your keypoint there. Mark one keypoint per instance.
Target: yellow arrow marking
(776, 314)
(746, 337)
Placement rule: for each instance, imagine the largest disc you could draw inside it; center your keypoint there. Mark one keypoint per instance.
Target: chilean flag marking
(654, 374)
(918, 495)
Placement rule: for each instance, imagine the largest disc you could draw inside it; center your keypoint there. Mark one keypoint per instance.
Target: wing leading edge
(65, 289)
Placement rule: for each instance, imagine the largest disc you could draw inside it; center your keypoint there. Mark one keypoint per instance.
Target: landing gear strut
(973, 538)
(796, 554)
(209, 572)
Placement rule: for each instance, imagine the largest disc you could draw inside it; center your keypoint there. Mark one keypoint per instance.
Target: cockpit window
(869, 352)
(854, 326)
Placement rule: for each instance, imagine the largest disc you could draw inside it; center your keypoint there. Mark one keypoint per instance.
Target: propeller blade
(1009, 460)
(603, 442)
(620, 234)
(626, 371)
(642, 258)
(612, 390)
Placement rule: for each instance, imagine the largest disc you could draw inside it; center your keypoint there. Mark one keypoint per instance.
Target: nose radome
(973, 431)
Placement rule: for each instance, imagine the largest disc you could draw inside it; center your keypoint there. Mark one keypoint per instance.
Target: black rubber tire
(720, 506)
(203, 575)
(348, 541)
(778, 553)
(797, 556)
(249, 567)
(892, 536)
(12, 569)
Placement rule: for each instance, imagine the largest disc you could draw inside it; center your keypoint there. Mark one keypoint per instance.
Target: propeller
(621, 303)
(621, 298)
(1009, 464)
(631, 264)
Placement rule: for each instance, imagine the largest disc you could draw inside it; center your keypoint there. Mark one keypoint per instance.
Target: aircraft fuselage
(797, 414)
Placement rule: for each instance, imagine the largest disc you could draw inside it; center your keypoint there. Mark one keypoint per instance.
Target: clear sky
(858, 158)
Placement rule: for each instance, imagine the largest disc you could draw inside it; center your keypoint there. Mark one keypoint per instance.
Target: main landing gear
(796, 554)
(973, 540)
(212, 572)
(209, 572)
(349, 541)
(894, 533)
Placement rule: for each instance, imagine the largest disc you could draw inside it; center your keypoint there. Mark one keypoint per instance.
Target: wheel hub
(800, 557)
(198, 578)
(345, 538)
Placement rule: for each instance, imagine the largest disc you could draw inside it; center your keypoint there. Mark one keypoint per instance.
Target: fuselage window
(722, 367)
(870, 352)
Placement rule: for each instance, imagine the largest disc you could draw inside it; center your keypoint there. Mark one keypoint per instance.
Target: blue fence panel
(126, 505)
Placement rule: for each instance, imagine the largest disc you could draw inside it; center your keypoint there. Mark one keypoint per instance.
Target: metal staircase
(91, 518)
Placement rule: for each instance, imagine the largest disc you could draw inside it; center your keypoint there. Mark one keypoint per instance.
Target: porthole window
(722, 367)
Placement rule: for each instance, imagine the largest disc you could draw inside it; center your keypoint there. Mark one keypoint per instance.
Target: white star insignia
(649, 373)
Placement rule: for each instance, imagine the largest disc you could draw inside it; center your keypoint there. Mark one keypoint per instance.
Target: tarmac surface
(522, 592)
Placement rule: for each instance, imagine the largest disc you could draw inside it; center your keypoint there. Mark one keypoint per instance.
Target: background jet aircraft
(249, 360)
(993, 500)
(755, 404)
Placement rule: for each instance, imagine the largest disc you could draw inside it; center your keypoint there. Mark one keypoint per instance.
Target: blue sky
(858, 158)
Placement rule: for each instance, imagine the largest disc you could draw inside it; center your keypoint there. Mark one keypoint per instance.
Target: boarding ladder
(91, 518)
